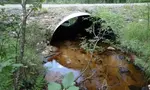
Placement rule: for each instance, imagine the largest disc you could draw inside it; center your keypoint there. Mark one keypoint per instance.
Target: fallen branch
(88, 62)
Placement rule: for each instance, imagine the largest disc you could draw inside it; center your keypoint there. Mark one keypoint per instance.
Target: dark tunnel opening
(71, 32)
(78, 28)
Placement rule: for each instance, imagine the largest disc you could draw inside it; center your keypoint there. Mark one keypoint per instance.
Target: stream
(107, 71)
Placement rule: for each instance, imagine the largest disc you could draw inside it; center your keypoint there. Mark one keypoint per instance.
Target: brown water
(109, 70)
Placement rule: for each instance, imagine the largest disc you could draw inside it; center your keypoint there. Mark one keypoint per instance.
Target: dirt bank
(109, 69)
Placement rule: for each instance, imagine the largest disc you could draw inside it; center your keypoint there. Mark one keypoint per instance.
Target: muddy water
(107, 71)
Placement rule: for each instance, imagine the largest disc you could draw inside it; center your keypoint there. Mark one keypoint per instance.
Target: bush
(32, 74)
(8, 49)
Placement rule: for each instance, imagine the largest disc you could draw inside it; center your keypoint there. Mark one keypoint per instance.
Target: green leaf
(4, 64)
(42, 0)
(68, 80)
(54, 86)
(73, 88)
(39, 6)
(17, 65)
(35, 8)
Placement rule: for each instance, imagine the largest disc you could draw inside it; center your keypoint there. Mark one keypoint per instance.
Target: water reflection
(55, 71)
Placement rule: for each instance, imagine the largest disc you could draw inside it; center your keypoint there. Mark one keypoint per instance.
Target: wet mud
(107, 71)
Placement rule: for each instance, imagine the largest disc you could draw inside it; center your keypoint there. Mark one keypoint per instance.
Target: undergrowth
(133, 31)
(32, 75)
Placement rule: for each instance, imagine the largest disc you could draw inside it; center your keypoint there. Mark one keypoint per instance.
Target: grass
(131, 25)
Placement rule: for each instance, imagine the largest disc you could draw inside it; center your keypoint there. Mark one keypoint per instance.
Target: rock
(120, 57)
(111, 48)
(49, 51)
(149, 86)
(123, 70)
(145, 88)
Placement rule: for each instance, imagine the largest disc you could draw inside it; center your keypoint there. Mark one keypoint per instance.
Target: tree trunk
(22, 44)
(23, 29)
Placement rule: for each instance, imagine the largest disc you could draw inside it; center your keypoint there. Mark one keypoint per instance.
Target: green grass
(131, 25)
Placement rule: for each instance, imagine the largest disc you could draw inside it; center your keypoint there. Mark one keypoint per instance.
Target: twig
(89, 77)
(30, 11)
(93, 30)
(98, 39)
(88, 62)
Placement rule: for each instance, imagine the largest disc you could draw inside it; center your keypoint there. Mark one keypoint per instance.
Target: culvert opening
(71, 27)
(77, 25)
(68, 31)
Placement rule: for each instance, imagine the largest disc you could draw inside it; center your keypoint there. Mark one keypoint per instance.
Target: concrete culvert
(71, 26)
(74, 26)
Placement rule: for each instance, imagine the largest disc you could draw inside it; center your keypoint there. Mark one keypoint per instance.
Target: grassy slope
(131, 24)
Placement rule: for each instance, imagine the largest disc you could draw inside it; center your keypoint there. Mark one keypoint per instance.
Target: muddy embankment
(107, 71)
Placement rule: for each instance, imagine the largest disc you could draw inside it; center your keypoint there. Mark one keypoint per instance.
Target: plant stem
(148, 7)
(88, 62)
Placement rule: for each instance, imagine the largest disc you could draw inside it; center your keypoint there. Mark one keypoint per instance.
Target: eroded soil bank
(107, 71)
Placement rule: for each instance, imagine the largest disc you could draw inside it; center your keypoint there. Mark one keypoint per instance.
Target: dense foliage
(133, 30)
(8, 48)
(32, 75)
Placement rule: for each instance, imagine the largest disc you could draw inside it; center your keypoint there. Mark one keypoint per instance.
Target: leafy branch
(98, 36)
